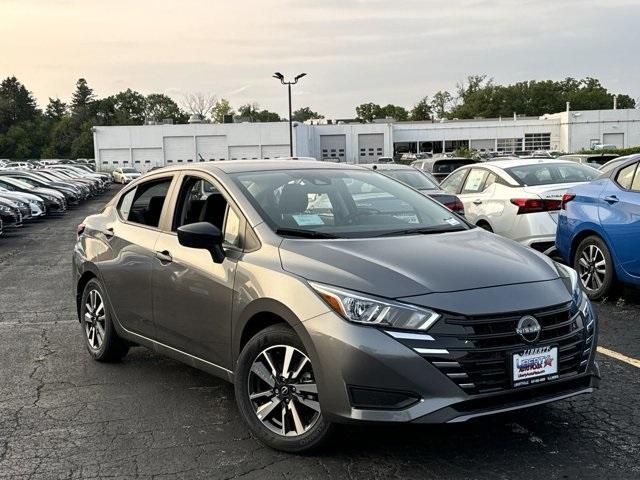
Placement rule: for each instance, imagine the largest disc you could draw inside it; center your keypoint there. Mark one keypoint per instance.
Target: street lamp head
(298, 77)
(279, 76)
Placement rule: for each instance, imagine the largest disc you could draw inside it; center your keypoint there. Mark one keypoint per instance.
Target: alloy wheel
(94, 319)
(283, 392)
(592, 267)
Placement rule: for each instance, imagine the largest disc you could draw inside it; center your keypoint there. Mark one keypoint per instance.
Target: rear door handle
(108, 232)
(164, 256)
(477, 202)
(611, 199)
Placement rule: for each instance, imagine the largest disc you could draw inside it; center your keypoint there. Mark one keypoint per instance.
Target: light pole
(280, 77)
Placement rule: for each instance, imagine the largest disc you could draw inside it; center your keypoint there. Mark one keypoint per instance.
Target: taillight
(535, 205)
(566, 198)
(456, 206)
(80, 229)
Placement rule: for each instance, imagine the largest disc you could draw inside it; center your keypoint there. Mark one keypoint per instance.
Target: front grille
(479, 348)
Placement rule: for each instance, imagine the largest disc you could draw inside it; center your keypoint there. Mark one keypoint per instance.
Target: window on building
(509, 145)
(537, 141)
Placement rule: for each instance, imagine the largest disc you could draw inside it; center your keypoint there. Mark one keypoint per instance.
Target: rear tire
(293, 421)
(100, 336)
(592, 260)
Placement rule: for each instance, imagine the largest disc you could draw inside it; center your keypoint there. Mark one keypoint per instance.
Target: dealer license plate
(534, 365)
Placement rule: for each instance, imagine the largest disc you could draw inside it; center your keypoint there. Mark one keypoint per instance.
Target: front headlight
(367, 310)
(5, 209)
(580, 301)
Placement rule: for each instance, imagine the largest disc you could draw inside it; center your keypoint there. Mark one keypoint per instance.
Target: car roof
(387, 166)
(502, 164)
(238, 166)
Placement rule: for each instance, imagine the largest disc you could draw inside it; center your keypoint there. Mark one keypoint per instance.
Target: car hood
(411, 265)
(21, 196)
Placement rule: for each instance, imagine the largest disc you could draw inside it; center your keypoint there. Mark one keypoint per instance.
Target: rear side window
(143, 204)
(475, 181)
(625, 176)
(452, 183)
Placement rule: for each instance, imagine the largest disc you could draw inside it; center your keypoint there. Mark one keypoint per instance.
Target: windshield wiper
(420, 231)
(299, 232)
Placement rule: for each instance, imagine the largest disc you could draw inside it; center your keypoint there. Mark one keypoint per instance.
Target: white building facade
(147, 146)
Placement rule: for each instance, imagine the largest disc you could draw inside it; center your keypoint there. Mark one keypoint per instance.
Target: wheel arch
(89, 273)
(263, 313)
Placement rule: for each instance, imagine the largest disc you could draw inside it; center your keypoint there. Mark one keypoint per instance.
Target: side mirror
(202, 235)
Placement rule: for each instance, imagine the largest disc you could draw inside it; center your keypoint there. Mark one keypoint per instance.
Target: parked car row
(27, 193)
(35, 164)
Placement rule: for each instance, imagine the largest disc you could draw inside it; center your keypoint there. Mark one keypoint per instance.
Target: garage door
(211, 148)
(146, 158)
(275, 151)
(483, 145)
(616, 139)
(111, 158)
(332, 148)
(370, 147)
(245, 152)
(178, 150)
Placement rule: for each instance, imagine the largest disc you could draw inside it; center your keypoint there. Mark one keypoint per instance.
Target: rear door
(132, 237)
(619, 211)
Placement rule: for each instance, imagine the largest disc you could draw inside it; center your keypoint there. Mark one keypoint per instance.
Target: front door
(192, 295)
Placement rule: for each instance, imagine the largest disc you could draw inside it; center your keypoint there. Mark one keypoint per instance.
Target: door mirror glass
(202, 235)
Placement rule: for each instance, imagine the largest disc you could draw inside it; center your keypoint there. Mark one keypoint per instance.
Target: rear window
(600, 159)
(448, 166)
(552, 173)
(413, 178)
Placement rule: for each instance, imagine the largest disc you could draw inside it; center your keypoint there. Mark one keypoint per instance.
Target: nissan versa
(322, 309)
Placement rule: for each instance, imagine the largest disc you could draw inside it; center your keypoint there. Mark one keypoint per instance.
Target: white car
(518, 199)
(125, 175)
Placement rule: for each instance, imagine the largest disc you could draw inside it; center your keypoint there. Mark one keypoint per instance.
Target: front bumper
(350, 359)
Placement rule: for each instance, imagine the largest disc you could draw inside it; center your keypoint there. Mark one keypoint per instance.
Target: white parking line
(619, 356)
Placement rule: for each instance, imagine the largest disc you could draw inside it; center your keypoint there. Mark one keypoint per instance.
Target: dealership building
(145, 146)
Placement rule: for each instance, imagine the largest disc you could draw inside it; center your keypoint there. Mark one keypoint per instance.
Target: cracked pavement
(63, 415)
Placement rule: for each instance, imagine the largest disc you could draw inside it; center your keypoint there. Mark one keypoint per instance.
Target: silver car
(329, 294)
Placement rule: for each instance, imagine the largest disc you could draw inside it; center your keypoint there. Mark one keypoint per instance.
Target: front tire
(594, 264)
(100, 336)
(276, 392)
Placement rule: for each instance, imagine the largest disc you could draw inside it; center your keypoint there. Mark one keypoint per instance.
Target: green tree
(130, 107)
(221, 108)
(305, 113)
(56, 109)
(82, 97)
(160, 107)
(440, 103)
(16, 104)
(252, 113)
(394, 111)
(367, 112)
(422, 110)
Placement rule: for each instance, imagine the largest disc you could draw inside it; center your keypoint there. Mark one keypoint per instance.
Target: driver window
(452, 182)
(199, 201)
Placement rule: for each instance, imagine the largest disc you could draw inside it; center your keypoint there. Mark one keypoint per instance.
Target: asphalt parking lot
(63, 415)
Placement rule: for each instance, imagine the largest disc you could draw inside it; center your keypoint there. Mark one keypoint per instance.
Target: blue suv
(599, 229)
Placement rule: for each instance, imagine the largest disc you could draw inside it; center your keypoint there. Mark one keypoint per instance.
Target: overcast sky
(354, 51)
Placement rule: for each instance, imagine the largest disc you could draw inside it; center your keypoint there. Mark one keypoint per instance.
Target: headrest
(293, 199)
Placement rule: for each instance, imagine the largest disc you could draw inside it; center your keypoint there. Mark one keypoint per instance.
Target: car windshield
(412, 177)
(129, 170)
(329, 203)
(551, 173)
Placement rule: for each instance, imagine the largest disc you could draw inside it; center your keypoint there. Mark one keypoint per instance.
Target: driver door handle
(477, 202)
(611, 199)
(108, 232)
(164, 256)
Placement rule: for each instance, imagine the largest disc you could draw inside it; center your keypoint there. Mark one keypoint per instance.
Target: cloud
(354, 51)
